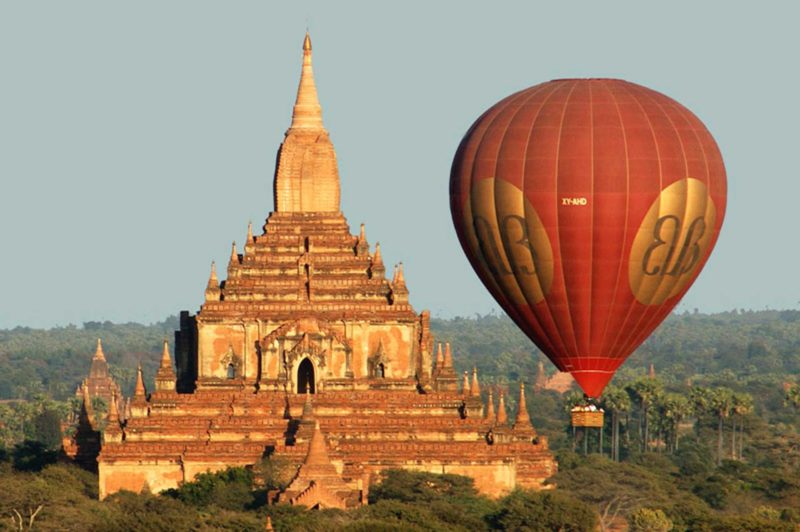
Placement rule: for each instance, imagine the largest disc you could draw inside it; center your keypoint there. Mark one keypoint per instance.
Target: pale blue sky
(137, 139)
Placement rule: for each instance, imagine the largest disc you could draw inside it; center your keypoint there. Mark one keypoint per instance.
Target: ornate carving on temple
(379, 362)
(232, 364)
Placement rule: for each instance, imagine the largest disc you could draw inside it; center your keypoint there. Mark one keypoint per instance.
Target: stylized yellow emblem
(507, 235)
(672, 241)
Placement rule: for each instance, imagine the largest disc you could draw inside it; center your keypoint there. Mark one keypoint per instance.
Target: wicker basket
(587, 418)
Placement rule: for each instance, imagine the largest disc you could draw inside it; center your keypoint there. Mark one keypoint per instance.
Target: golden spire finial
(490, 407)
(113, 410)
(399, 278)
(213, 282)
(501, 410)
(139, 391)
(475, 388)
(307, 113)
(439, 358)
(465, 384)
(166, 361)
(249, 232)
(98, 354)
(234, 253)
(448, 356)
(522, 408)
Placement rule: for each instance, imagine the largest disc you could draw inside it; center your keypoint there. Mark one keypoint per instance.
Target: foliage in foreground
(648, 492)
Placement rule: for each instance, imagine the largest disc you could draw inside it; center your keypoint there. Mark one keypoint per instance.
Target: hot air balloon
(588, 207)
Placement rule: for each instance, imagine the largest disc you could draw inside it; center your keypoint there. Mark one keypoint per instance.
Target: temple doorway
(305, 377)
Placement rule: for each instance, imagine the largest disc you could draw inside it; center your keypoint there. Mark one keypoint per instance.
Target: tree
(617, 401)
(793, 396)
(722, 404)
(643, 392)
(649, 520)
(742, 406)
(542, 511)
(672, 408)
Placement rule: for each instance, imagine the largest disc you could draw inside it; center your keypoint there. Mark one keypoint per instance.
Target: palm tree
(722, 405)
(673, 408)
(643, 392)
(617, 401)
(742, 406)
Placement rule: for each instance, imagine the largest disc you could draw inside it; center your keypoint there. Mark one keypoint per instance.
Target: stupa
(307, 326)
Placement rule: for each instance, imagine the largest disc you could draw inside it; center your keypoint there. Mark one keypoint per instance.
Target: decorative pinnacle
(490, 407)
(362, 237)
(113, 412)
(475, 389)
(439, 357)
(213, 282)
(522, 407)
(249, 232)
(448, 356)
(465, 384)
(140, 391)
(377, 259)
(166, 361)
(234, 254)
(399, 278)
(98, 354)
(307, 113)
(501, 410)
(317, 452)
(269, 525)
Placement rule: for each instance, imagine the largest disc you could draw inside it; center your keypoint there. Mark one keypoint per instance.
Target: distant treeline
(54, 361)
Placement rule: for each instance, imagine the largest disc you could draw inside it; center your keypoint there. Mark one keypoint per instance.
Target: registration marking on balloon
(672, 241)
(507, 235)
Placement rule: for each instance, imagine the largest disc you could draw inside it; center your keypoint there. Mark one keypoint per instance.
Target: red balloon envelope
(588, 207)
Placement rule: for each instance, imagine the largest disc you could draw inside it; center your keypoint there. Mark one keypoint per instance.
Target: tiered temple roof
(306, 310)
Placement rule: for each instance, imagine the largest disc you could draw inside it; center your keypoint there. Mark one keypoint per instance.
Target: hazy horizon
(138, 140)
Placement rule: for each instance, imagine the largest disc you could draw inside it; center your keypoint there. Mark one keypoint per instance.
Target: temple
(309, 352)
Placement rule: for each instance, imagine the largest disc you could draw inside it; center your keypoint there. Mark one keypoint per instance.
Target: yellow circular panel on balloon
(672, 241)
(510, 241)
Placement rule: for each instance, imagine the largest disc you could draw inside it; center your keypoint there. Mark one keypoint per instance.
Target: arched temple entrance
(305, 377)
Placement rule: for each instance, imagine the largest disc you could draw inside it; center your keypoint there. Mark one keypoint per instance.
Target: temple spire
(439, 359)
(522, 407)
(307, 175)
(501, 410)
(166, 360)
(139, 391)
(522, 424)
(98, 354)
(448, 356)
(212, 288)
(307, 113)
(317, 452)
(113, 412)
(249, 233)
(490, 407)
(475, 388)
